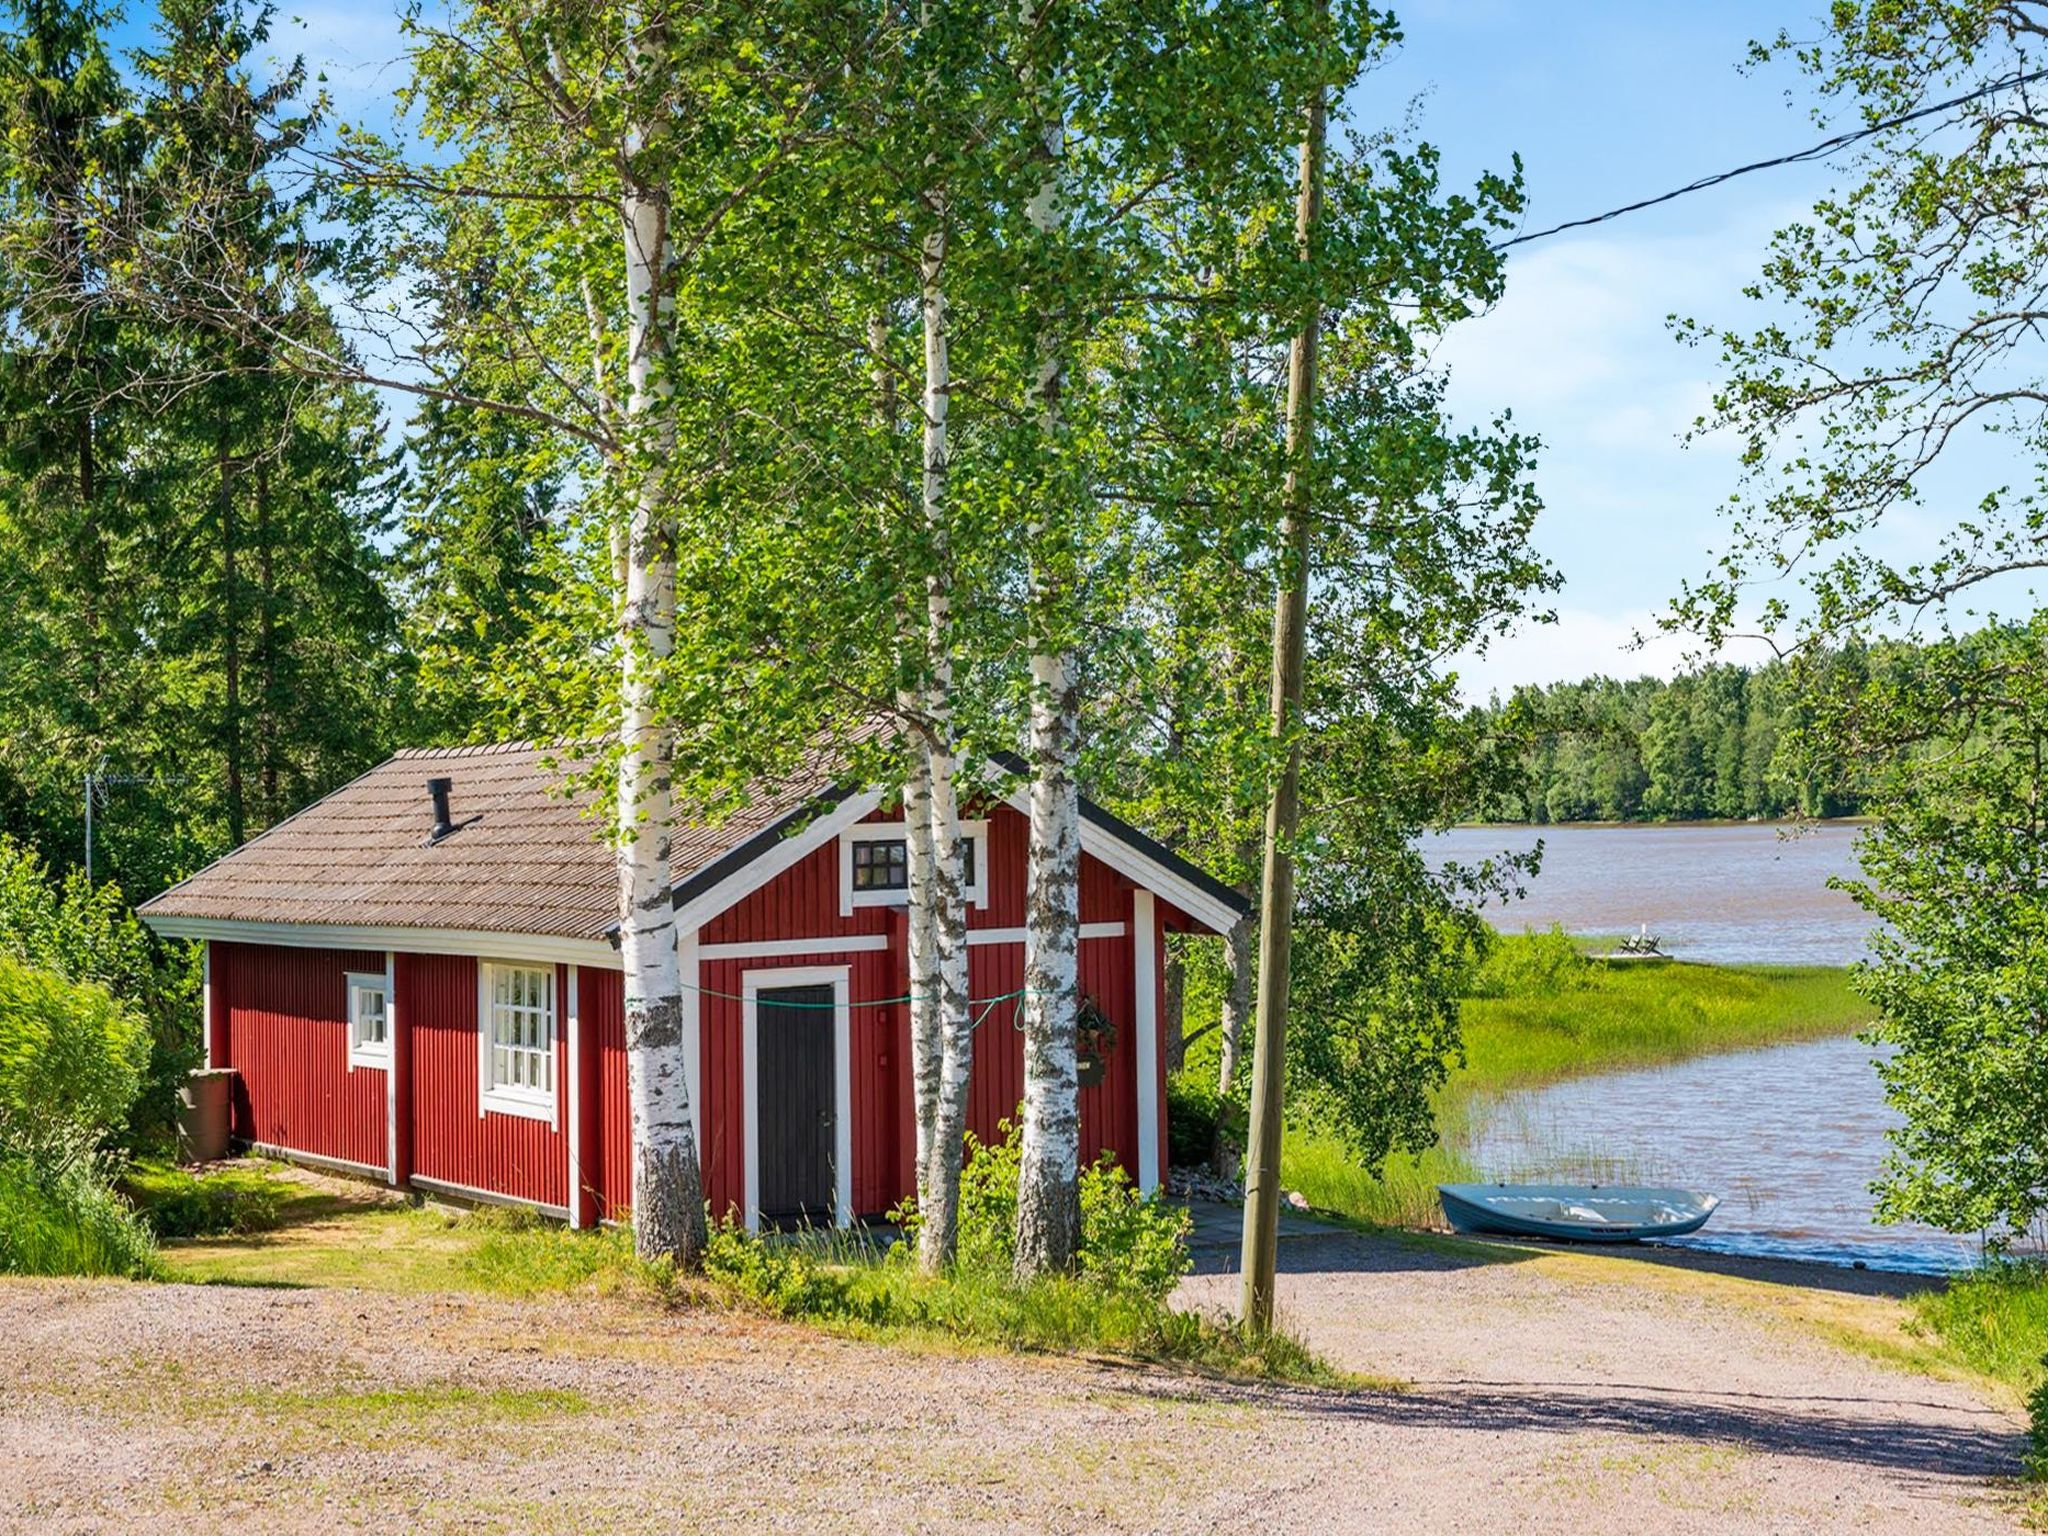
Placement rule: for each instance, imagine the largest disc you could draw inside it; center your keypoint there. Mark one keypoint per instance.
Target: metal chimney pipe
(437, 790)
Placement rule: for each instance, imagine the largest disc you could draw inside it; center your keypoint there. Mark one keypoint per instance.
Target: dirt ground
(1539, 1394)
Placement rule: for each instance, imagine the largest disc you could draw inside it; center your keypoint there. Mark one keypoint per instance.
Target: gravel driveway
(1555, 1395)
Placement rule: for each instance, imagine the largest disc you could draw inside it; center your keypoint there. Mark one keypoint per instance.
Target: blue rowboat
(1576, 1213)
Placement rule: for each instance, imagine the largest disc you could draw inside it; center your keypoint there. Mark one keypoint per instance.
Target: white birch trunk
(1048, 1192)
(668, 1191)
(924, 981)
(939, 1236)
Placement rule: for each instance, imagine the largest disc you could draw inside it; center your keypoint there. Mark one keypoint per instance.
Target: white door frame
(752, 984)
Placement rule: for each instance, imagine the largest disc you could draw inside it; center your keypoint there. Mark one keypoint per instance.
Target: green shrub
(85, 932)
(67, 1222)
(71, 1062)
(1546, 964)
(786, 1278)
(1194, 1109)
(1131, 1244)
(175, 1203)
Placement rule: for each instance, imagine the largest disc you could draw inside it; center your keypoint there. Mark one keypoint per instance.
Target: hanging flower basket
(1094, 1042)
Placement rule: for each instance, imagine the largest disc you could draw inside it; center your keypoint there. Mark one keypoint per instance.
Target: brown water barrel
(204, 1105)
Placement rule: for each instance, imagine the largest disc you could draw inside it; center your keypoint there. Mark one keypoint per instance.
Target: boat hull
(1575, 1213)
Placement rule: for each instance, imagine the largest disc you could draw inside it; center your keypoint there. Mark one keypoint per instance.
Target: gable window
(881, 864)
(874, 864)
(369, 1021)
(516, 1039)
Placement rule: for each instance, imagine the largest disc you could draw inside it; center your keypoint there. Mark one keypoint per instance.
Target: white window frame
(752, 984)
(377, 1053)
(529, 1103)
(895, 831)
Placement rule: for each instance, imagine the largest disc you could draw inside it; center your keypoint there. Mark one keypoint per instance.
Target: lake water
(1726, 894)
(1789, 1136)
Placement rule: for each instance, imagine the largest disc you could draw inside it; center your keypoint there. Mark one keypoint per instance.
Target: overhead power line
(1818, 151)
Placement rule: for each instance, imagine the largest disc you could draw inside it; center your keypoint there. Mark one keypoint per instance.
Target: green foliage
(71, 1061)
(788, 1279)
(1723, 742)
(66, 1221)
(187, 554)
(1131, 1244)
(1546, 964)
(88, 933)
(1957, 868)
(1382, 963)
(1194, 1113)
(176, 1203)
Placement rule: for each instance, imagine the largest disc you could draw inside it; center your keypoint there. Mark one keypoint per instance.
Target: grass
(331, 1232)
(853, 1285)
(177, 1202)
(68, 1223)
(1994, 1321)
(1597, 1018)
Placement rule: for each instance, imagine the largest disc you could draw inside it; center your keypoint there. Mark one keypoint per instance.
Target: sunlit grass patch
(1995, 1321)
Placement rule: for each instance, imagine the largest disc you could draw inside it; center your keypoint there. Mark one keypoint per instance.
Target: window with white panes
(369, 1020)
(519, 1034)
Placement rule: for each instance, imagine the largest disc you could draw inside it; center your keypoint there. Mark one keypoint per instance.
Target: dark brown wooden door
(799, 1121)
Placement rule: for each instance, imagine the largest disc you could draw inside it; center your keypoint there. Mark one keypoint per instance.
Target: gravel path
(1556, 1395)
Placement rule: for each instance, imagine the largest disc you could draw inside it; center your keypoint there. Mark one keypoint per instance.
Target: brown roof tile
(527, 858)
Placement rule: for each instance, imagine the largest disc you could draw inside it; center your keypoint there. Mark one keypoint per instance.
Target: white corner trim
(574, 1025)
(741, 883)
(886, 831)
(390, 1066)
(690, 970)
(1145, 1012)
(206, 1005)
(411, 941)
(752, 983)
(506, 1101)
(376, 1058)
(1142, 869)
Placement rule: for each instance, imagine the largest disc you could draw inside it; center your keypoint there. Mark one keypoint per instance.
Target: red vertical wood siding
(452, 1143)
(278, 1016)
(284, 1014)
(586, 1158)
(611, 1134)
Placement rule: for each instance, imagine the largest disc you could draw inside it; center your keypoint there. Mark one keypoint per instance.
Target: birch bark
(1048, 1193)
(940, 1233)
(668, 1191)
(924, 982)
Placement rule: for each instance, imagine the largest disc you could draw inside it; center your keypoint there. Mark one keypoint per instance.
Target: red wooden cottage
(435, 1001)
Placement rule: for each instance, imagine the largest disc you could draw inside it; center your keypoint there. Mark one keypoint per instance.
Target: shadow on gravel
(1815, 1427)
(1309, 1246)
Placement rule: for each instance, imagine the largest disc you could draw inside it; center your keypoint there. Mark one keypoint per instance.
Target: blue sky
(1605, 101)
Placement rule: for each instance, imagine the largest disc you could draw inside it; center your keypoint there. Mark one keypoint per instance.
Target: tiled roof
(527, 858)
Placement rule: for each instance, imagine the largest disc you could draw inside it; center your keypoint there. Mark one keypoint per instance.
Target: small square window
(881, 864)
(369, 1021)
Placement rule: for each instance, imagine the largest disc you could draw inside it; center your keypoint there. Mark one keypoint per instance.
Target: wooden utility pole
(1283, 809)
